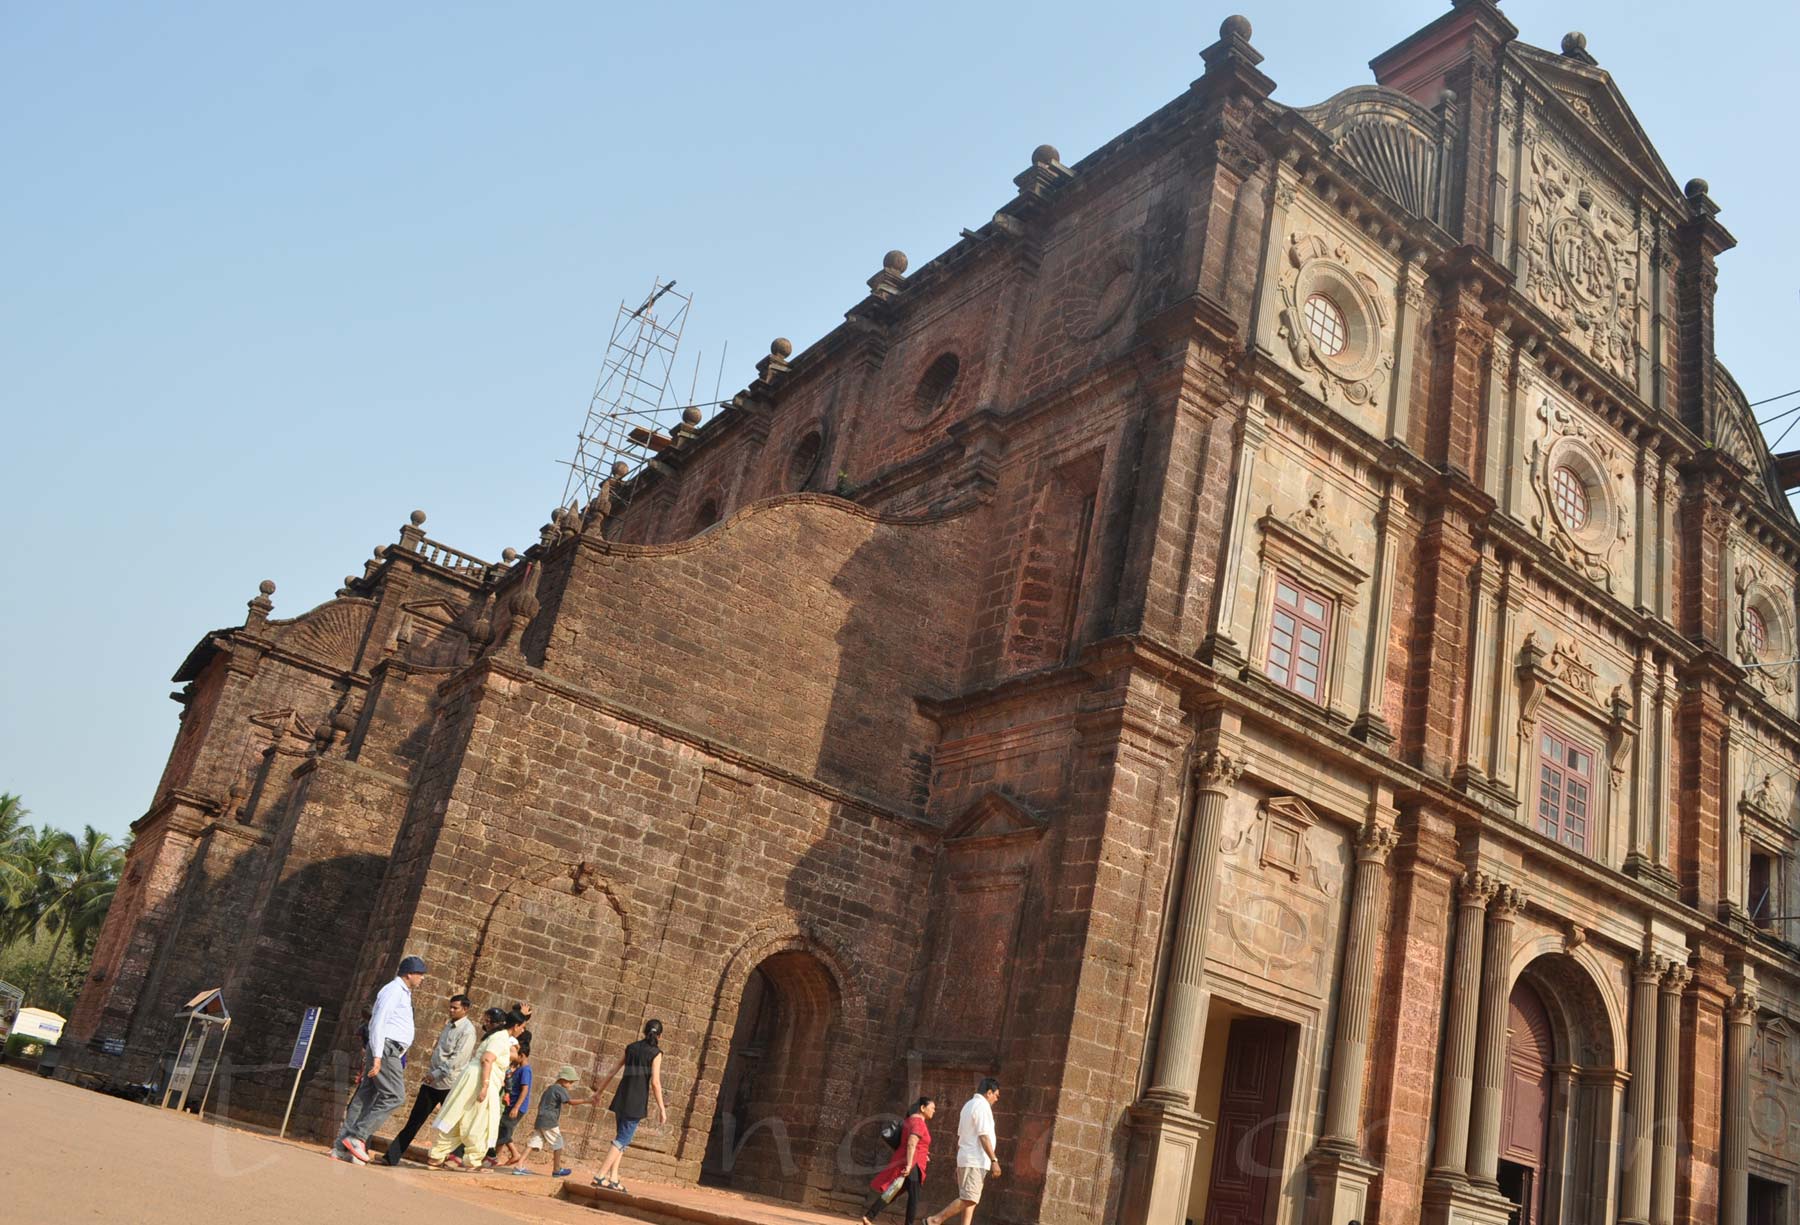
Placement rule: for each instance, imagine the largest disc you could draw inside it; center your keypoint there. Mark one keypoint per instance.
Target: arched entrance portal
(1560, 1106)
(1525, 1118)
(764, 1132)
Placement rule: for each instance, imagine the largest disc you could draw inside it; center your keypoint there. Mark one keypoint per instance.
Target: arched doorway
(1525, 1110)
(764, 1136)
(1558, 1158)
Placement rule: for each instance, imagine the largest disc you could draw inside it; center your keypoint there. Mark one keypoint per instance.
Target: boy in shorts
(547, 1131)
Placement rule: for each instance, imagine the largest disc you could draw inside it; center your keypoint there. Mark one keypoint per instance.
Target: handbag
(890, 1133)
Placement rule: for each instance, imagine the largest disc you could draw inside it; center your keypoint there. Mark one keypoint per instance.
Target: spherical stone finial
(781, 347)
(621, 469)
(509, 555)
(1697, 187)
(418, 518)
(349, 580)
(691, 414)
(1446, 96)
(1045, 155)
(267, 586)
(1574, 42)
(894, 262)
(1235, 26)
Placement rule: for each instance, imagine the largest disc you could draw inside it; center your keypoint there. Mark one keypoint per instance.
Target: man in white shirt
(384, 1084)
(975, 1158)
(451, 1053)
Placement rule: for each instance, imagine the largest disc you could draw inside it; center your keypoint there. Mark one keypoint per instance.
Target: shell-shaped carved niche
(331, 634)
(1394, 140)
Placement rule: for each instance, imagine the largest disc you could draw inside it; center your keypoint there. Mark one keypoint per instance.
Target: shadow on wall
(294, 958)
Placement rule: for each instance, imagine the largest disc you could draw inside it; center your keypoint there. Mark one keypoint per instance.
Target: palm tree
(13, 833)
(85, 870)
(36, 857)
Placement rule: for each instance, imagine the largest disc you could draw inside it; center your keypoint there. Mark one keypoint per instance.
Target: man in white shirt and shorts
(975, 1159)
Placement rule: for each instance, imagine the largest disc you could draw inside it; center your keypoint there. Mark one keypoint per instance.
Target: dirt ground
(69, 1155)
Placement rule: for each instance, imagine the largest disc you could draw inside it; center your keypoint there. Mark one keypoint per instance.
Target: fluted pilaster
(1640, 1094)
(1177, 1068)
(1734, 1149)
(1668, 1095)
(1456, 1084)
(1490, 1045)
(1356, 987)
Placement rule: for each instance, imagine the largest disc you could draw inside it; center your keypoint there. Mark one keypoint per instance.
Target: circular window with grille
(1326, 325)
(1571, 493)
(937, 385)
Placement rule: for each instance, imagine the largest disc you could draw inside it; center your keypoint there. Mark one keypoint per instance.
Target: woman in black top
(642, 1067)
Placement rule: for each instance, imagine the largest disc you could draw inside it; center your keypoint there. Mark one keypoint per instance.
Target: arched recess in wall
(819, 989)
(559, 942)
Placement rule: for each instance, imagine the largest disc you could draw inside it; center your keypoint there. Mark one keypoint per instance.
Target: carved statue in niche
(1354, 366)
(1592, 541)
(1581, 257)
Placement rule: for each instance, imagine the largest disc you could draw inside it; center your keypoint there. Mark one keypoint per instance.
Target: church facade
(1279, 645)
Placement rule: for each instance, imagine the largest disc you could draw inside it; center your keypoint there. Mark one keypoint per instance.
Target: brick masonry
(852, 738)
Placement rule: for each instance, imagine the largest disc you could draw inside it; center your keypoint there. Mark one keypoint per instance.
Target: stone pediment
(438, 612)
(285, 721)
(994, 815)
(1589, 93)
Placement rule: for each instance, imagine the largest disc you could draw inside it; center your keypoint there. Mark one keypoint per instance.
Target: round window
(1756, 630)
(935, 387)
(1571, 497)
(1325, 324)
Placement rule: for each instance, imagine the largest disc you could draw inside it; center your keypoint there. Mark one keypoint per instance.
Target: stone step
(683, 1206)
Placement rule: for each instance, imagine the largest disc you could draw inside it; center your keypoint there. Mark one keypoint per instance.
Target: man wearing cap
(384, 1085)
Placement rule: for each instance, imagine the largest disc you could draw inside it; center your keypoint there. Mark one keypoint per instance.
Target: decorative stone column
(1456, 1084)
(1183, 1029)
(1340, 1176)
(1451, 1197)
(1640, 1094)
(1490, 1045)
(1165, 1129)
(1668, 1095)
(1734, 1147)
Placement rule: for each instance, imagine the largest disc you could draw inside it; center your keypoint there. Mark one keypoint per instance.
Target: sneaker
(357, 1149)
(562, 1173)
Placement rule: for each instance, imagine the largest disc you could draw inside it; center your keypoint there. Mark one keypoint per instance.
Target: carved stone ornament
(1764, 798)
(1358, 371)
(1105, 292)
(1754, 592)
(1581, 257)
(1593, 544)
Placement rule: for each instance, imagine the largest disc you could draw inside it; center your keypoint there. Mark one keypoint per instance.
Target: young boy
(517, 1097)
(547, 1132)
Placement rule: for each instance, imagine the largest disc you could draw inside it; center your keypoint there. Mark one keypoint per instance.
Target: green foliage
(55, 884)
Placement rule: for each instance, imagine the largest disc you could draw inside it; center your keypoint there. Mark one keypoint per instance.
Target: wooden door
(1246, 1163)
(1525, 1117)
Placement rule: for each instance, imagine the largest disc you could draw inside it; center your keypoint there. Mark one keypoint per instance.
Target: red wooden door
(1525, 1118)
(1245, 1169)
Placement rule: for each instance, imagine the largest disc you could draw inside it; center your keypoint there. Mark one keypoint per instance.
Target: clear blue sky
(274, 276)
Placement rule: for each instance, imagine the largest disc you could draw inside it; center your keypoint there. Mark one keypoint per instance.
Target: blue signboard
(308, 1024)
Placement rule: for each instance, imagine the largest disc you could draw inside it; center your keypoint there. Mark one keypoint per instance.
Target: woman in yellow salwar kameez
(470, 1116)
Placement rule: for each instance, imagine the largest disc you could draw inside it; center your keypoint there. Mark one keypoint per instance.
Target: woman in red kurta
(906, 1172)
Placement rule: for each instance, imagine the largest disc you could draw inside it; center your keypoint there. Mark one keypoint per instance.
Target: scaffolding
(631, 413)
